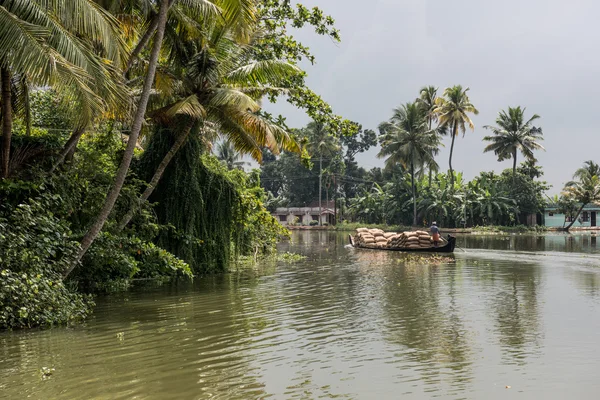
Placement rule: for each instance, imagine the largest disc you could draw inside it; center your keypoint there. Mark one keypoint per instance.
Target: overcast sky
(539, 54)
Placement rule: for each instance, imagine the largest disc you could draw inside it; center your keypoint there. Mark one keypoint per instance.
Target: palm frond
(262, 72)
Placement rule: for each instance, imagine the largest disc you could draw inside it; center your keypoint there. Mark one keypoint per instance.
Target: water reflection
(512, 302)
(423, 317)
(580, 242)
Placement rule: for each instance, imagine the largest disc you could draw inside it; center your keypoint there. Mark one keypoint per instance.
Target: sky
(538, 54)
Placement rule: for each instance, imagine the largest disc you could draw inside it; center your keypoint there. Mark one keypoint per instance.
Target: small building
(305, 215)
(587, 218)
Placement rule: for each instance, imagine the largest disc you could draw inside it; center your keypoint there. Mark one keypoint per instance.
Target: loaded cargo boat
(418, 241)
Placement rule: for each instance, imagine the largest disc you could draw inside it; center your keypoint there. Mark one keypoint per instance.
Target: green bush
(33, 239)
(36, 299)
(313, 223)
(35, 248)
(113, 261)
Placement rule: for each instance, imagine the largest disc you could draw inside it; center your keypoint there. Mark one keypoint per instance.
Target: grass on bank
(352, 226)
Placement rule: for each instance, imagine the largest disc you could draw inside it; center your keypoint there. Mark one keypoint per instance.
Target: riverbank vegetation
(410, 190)
(110, 112)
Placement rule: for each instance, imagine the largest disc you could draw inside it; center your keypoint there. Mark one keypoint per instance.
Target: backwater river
(508, 317)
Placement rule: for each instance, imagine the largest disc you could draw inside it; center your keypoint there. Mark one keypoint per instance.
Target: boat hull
(447, 248)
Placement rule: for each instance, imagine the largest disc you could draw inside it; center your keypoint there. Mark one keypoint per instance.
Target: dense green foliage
(29, 299)
(583, 189)
(72, 108)
(35, 246)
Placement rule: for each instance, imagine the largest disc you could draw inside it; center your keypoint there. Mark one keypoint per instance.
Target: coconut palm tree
(227, 153)
(214, 90)
(408, 141)
(72, 46)
(452, 111)
(590, 168)
(238, 16)
(323, 143)
(513, 134)
(132, 14)
(585, 188)
(426, 101)
(136, 127)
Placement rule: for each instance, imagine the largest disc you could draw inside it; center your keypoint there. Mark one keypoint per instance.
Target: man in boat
(435, 234)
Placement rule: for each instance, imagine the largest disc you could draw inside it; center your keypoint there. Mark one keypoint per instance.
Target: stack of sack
(411, 240)
(372, 237)
(364, 237)
(424, 239)
(377, 238)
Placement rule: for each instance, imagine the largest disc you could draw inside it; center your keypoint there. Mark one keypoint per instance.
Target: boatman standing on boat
(435, 234)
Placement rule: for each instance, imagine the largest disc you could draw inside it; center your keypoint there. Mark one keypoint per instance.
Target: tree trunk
(6, 121)
(575, 218)
(156, 178)
(320, 179)
(414, 194)
(68, 149)
(135, 53)
(27, 104)
(335, 199)
(454, 132)
(136, 127)
(327, 199)
(514, 167)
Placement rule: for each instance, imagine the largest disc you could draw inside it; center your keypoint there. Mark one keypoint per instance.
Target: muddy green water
(518, 311)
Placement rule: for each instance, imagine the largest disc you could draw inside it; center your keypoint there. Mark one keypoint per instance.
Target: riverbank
(483, 230)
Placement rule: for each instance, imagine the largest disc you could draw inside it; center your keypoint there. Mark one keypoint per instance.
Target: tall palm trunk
(155, 178)
(6, 121)
(26, 105)
(135, 53)
(327, 199)
(576, 216)
(113, 194)
(514, 167)
(454, 133)
(414, 192)
(320, 180)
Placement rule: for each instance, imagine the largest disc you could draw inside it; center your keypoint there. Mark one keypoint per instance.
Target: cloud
(540, 54)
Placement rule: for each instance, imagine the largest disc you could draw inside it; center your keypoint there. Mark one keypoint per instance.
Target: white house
(304, 215)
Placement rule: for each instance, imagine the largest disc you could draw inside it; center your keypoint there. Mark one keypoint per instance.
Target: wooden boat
(447, 248)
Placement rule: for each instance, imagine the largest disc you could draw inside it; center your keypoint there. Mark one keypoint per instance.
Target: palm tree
(227, 153)
(585, 188)
(407, 140)
(240, 17)
(214, 91)
(590, 168)
(136, 127)
(73, 46)
(426, 101)
(452, 110)
(513, 134)
(321, 142)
